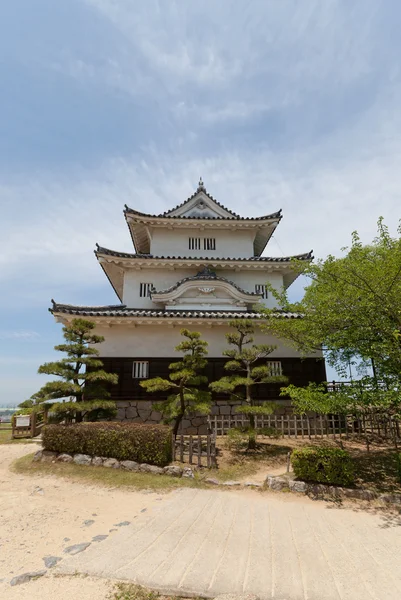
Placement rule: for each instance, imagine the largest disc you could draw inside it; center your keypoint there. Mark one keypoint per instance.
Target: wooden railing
(385, 427)
(197, 450)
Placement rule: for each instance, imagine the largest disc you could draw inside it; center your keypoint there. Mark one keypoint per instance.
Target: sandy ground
(38, 514)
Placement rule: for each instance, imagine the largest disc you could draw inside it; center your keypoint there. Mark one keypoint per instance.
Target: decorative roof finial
(201, 185)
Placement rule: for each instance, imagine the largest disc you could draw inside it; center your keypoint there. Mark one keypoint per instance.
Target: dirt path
(38, 514)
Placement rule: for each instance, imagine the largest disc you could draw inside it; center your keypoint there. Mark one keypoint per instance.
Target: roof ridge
(302, 256)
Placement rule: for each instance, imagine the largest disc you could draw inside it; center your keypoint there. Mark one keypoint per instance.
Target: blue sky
(277, 104)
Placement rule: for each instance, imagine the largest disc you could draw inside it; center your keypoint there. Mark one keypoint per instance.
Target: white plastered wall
(229, 244)
(159, 340)
(165, 278)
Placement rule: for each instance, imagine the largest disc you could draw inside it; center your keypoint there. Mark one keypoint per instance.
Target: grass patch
(104, 476)
(5, 437)
(377, 470)
(131, 591)
(245, 463)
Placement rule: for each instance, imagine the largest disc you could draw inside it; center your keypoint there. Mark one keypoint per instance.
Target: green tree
(81, 373)
(184, 382)
(352, 308)
(248, 370)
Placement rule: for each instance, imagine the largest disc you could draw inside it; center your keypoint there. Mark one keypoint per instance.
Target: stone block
(144, 414)
(77, 548)
(24, 577)
(120, 413)
(111, 463)
(48, 456)
(82, 459)
(298, 486)
(151, 469)
(390, 498)
(225, 410)
(156, 416)
(212, 481)
(97, 461)
(231, 483)
(253, 484)
(38, 456)
(51, 561)
(144, 405)
(198, 421)
(129, 465)
(317, 489)
(173, 471)
(185, 423)
(123, 403)
(67, 458)
(277, 483)
(214, 410)
(131, 412)
(187, 472)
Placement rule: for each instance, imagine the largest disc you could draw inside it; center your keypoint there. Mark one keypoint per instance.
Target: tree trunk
(252, 428)
(182, 412)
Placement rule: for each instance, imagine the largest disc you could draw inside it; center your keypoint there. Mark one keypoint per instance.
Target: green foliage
(356, 397)
(132, 591)
(245, 361)
(237, 439)
(323, 465)
(82, 377)
(184, 382)
(352, 307)
(140, 442)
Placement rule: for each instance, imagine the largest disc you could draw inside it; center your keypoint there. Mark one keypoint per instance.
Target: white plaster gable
(205, 291)
(201, 206)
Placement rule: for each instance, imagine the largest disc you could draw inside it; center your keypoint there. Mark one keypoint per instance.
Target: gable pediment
(205, 290)
(201, 206)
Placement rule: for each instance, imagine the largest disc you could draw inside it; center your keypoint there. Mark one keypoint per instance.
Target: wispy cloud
(21, 334)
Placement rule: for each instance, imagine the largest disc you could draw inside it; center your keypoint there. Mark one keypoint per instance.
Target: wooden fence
(385, 427)
(195, 449)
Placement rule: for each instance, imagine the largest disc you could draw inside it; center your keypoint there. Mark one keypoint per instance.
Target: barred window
(209, 244)
(261, 289)
(194, 243)
(275, 367)
(144, 289)
(140, 369)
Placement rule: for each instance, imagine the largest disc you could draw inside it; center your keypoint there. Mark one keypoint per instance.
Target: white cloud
(21, 334)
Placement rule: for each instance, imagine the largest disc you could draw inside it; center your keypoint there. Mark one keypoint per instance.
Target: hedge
(140, 442)
(323, 465)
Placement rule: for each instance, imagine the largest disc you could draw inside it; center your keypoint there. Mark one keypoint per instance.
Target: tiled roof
(235, 217)
(305, 256)
(205, 275)
(122, 311)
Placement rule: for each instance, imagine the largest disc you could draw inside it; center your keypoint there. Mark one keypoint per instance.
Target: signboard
(23, 421)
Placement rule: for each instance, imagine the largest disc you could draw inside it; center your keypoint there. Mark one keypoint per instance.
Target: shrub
(323, 465)
(140, 442)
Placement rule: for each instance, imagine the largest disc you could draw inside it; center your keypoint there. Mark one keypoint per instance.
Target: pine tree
(184, 382)
(248, 371)
(81, 373)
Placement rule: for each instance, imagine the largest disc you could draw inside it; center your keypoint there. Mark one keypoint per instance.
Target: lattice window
(140, 369)
(209, 244)
(275, 366)
(194, 243)
(145, 289)
(261, 289)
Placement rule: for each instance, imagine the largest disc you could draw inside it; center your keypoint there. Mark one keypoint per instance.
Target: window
(140, 369)
(209, 244)
(194, 243)
(199, 243)
(145, 289)
(275, 367)
(261, 289)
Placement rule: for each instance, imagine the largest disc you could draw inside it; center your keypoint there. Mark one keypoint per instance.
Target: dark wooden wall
(299, 372)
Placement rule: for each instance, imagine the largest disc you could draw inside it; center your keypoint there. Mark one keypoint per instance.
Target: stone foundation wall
(142, 411)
